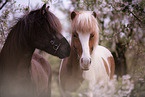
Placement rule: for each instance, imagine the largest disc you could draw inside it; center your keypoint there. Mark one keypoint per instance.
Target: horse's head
(85, 36)
(46, 34)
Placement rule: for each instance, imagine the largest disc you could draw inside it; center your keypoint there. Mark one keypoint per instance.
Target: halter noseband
(76, 51)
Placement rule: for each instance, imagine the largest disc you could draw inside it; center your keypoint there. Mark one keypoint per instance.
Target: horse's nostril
(90, 61)
(81, 60)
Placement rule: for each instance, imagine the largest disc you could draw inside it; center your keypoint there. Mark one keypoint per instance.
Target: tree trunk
(120, 60)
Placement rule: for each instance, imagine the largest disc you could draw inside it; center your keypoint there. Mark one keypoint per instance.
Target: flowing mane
(85, 22)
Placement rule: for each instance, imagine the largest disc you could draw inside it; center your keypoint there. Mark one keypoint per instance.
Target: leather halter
(55, 46)
(76, 51)
(52, 42)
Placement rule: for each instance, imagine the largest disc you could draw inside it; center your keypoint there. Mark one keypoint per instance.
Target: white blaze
(84, 39)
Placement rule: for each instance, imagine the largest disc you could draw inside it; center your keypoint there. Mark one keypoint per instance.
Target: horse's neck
(13, 54)
(73, 60)
(71, 74)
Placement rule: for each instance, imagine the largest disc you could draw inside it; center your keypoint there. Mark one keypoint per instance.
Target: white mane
(85, 22)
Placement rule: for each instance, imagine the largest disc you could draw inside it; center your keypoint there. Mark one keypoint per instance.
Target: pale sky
(33, 3)
(62, 17)
(57, 12)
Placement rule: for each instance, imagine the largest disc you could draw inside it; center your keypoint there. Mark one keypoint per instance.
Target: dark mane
(17, 33)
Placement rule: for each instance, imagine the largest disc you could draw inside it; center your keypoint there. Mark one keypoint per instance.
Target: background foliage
(122, 31)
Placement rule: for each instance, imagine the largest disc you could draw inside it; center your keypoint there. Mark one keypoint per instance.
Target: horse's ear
(43, 9)
(48, 7)
(94, 14)
(73, 14)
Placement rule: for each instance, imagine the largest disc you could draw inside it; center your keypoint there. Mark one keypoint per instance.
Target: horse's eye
(92, 35)
(74, 35)
(52, 42)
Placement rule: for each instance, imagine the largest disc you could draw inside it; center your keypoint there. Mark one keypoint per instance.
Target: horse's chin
(86, 69)
(61, 56)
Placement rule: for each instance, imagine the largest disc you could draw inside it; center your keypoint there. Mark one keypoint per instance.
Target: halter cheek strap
(92, 49)
(76, 51)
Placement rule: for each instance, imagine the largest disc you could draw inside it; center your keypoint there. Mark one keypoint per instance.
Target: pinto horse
(88, 60)
(24, 75)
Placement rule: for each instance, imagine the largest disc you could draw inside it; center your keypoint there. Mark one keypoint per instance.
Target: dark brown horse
(22, 75)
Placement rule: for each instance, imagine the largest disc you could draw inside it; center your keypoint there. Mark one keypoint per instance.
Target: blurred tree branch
(3, 4)
(136, 17)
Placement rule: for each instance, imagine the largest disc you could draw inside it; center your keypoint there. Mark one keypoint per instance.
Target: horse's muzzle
(64, 49)
(85, 63)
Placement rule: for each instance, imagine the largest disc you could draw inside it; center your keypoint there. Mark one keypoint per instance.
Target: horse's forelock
(54, 22)
(37, 16)
(85, 22)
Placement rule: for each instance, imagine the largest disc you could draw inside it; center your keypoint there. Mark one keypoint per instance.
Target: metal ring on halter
(55, 46)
